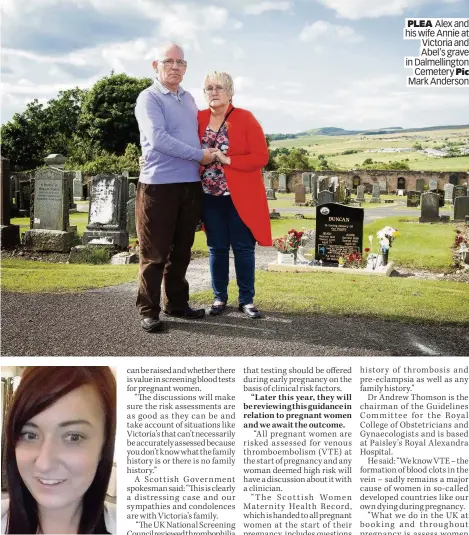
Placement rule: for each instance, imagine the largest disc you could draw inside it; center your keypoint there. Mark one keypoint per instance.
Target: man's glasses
(170, 62)
(217, 89)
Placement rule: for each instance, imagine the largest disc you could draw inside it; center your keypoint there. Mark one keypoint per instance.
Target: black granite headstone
(339, 231)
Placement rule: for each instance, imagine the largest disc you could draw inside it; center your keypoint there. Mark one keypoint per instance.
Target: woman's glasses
(214, 89)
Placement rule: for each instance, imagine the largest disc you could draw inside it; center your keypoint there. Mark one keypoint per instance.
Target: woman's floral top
(213, 176)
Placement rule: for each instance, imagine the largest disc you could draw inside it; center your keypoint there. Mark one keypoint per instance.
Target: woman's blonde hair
(223, 78)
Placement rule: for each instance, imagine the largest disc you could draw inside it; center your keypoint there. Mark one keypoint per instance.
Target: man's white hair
(166, 46)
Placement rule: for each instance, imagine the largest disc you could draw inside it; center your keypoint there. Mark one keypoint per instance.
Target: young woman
(60, 433)
(235, 209)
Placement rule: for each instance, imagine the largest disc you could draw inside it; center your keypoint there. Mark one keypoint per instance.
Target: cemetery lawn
(408, 300)
(419, 245)
(29, 276)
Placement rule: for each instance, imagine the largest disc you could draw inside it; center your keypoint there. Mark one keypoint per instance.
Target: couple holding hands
(197, 164)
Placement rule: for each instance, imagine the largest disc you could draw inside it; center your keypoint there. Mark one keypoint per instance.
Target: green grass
(333, 146)
(419, 245)
(79, 219)
(409, 300)
(29, 276)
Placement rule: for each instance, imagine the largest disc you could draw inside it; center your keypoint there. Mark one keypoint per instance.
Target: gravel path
(103, 322)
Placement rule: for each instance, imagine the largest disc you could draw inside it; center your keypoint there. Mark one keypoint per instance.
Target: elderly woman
(235, 211)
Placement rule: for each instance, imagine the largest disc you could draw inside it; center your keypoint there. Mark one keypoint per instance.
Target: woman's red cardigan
(249, 154)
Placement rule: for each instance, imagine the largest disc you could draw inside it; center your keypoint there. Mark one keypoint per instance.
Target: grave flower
(288, 243)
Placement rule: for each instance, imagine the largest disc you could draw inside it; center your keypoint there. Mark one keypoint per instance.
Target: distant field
(333, 146)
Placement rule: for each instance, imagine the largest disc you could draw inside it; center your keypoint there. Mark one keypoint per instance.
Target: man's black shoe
(151, 325)
(216, 310)
(250, 311)
(187, 313)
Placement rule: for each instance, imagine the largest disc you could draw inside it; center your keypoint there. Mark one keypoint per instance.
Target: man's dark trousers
(167, 216)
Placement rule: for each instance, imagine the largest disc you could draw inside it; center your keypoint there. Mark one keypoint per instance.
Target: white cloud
(258, 9)
(321, 29)
(358, 9)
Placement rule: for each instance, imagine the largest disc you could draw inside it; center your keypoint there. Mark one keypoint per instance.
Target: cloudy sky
(297, 64)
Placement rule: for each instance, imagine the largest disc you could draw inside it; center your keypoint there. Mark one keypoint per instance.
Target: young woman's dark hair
(41, 387)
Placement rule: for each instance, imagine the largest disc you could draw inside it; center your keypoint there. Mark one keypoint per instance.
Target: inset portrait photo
(58, 435)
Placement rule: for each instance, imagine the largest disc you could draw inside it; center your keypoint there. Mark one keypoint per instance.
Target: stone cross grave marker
(107, 221)
(300, 194)
(339, 231)
(429, 209)
(413, 198)
(461, 208)
(325, 196)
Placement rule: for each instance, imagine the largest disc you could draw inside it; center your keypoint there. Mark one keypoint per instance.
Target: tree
(107, 114)
(271, 164)
(23, 137)
(295, 159)
(41, 130)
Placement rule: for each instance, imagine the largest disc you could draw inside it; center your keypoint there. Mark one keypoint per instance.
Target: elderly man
(169, 193)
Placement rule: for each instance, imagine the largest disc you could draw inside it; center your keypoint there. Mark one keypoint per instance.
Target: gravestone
(306, 181)
(334, 182)
(282, 183)
(131, 220)
(323, 183)
(459, 191)
(132, 190)
(300, 194)
(433, 184)
(360, 193)
(383, 186)
(461, 208)
(339, 231)
(9, 234)
(429, 207)
(266, 178)
(375, 193)
(441, 194)
(125, 173)
(325, 196)
(419, 184)
(413, 199)
(314, 186)
(78, 194)
(107, 220)
(50, 229)
(270, 194)
(449, 189)
(23, 199)
(341, 192)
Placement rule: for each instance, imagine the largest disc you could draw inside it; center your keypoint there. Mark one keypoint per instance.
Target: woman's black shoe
(251, 312)
(216, 310)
